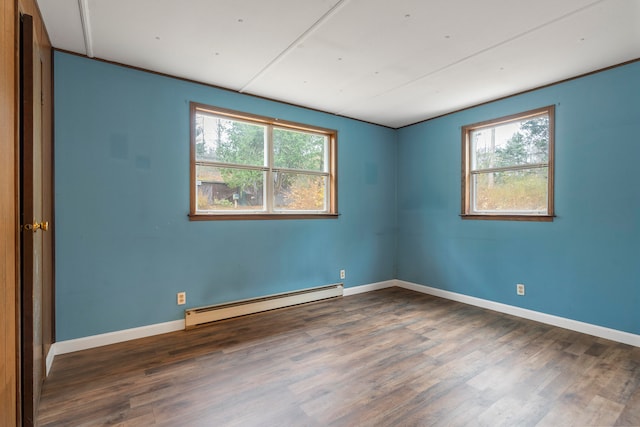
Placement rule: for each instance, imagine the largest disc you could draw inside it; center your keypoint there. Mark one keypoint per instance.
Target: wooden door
(9, 350)
(35, 205)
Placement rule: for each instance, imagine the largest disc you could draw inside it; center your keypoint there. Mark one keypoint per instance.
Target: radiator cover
(202, 315)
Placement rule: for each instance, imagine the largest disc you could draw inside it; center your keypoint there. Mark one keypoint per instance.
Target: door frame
(35, 251)
(28, 394)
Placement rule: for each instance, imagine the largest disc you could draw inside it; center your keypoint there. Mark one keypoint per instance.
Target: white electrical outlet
(181, 298)
(520, 289)
(343, 274)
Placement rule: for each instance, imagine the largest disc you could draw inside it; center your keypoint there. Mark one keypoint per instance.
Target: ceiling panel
(401, 40)
(224, 42)
(388, 62)
(62, 19)
(568, 47)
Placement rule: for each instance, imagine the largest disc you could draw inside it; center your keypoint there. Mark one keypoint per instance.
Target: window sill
(535, 218)
(227, 217)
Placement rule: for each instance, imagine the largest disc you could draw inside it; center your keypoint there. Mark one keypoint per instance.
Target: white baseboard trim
(49, 359)
(562, 322)
(92, 341)
(84, 343)
(368, 288)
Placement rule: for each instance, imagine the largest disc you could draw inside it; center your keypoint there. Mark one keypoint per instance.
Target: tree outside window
(508, 167)
(247, 165)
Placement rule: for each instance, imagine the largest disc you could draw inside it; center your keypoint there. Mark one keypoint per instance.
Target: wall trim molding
(85, 343)
(368, 288)
(49, 360)
(92, 341)
(549, 319)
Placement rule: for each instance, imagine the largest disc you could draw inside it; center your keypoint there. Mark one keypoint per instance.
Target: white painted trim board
(368, 288)
(93, 341)
(549, 319)
(85, 343)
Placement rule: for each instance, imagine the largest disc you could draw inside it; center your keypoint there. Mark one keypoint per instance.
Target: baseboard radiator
(199, 316)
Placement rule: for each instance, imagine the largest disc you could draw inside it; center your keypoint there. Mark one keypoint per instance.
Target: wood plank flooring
(392, 357)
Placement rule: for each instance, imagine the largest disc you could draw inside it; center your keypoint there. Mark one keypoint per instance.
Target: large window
(250, 167)
(507, 167)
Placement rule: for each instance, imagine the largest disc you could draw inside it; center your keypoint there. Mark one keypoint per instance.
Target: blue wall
(583, 266)
(124, 244)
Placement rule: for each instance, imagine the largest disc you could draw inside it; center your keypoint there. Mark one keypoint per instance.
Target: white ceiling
(391, 62)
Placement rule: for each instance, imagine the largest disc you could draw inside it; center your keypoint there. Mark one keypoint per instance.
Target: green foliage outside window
(239, 153)
(509, 165)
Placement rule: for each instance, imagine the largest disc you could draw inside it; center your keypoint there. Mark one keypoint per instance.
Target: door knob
(44, 226)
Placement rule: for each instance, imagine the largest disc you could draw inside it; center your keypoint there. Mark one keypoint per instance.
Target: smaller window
(507, 167)
(251, 167)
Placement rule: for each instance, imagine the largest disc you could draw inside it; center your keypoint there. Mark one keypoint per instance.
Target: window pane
(299, 150)
(229, 141)
(296, 191)
(510, 144)
(511, 191)
(229, 189)
(245, 164)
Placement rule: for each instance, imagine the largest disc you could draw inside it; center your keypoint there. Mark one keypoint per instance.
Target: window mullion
(230, 165)
(301, 171)
(510, 168)
(269, 187)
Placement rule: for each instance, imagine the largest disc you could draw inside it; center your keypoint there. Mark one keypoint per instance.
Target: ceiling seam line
(83, 5)
(473, 55)
(295, 43)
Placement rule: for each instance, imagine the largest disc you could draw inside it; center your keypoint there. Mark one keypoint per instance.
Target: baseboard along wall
(370, 287)
(561, 322)
(84, 343)
(93, 341)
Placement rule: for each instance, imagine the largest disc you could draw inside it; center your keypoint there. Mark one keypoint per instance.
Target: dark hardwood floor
(387, 358)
